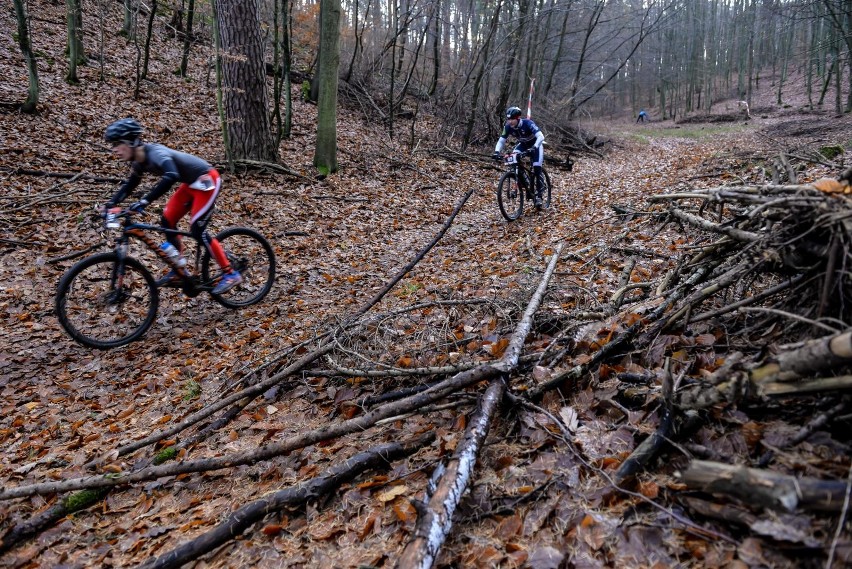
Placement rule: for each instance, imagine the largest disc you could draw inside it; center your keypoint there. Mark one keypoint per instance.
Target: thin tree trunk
(394, 17)
(575, 84)
(187, 38)
(24, 43)
(148, 34)
(436, 48)
(128, 25)
(325, 156)
(558, 57)
(73, 44)
(286, 10)
(477, 84)
(356, 40)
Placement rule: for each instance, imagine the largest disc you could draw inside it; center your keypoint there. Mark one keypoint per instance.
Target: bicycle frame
(515, 162)
(191, 285)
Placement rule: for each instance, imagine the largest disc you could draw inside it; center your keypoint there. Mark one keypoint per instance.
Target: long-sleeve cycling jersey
(527, 134)
(172, 166)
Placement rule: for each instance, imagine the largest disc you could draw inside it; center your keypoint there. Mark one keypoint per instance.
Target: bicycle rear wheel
(250, 254)
(101, 309)
(510, 197)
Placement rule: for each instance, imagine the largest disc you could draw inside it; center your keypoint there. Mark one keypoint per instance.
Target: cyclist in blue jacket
(530, 140)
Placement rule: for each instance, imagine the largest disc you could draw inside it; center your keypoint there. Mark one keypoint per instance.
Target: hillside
(67, 409)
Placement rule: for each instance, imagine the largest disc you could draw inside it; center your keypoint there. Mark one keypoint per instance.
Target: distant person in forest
(199, 186)
(530, 141)
(643, 116)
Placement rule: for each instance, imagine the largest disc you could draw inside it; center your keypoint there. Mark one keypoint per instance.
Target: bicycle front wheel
(250, 254)
(510, 197)
(103, 307)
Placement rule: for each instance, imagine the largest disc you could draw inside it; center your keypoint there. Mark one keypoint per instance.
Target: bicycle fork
(116, 284)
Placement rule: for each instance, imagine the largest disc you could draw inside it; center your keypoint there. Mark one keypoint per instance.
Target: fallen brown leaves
(339, 241)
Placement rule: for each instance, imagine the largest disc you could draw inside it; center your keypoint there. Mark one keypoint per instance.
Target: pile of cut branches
(754, 318)
(774, 257)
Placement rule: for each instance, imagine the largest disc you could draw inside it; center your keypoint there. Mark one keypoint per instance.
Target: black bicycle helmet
(124, 130)
(513, 112)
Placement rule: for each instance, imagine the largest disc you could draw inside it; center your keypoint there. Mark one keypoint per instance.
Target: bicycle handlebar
(112, 215)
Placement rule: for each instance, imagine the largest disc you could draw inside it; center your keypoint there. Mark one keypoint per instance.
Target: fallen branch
(765, 488)
(435, 519)
(646, 451)
(331, 431)
(64, 507)
(240, 520)
(732, 232)
(66, 175)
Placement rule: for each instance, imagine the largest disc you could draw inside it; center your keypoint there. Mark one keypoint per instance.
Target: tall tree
(435, 32)
(75, 43)
(149, 33)
(245, 103)
(30, 104)
(594, 17)
(325, 155)
(281, 64)
(187, 37)
(128, 27)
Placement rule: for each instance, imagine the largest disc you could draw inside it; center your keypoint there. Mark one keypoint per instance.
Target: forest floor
(338, 241)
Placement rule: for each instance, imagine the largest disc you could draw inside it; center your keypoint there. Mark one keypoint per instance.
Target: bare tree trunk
(73, 44)
(477, 84)
(558, 57)
(281, 81)
(436, 48)
(127, 29)
(187, 37)
(750, 55)
(325, 156)
(30, 104)
(245, 102)
(394, 16)
(357, 38)
(148, 34)
(575, 84)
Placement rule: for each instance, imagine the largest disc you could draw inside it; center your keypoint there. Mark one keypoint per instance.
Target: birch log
(435, 518)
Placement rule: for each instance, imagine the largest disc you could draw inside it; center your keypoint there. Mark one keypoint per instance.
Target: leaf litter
(533, 502)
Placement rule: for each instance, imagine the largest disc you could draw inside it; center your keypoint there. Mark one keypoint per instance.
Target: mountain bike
(516, 184)
(111, 299)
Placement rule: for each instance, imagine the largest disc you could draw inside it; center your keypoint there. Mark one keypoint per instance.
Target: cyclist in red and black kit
(197, 192)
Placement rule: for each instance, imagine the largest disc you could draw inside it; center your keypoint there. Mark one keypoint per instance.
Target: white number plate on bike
(511, 158)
